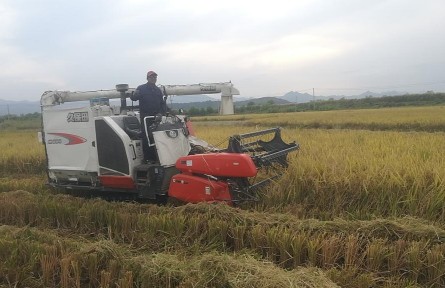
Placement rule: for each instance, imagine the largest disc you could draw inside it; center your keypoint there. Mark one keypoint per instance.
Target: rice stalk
(49, 262)
(376, 254)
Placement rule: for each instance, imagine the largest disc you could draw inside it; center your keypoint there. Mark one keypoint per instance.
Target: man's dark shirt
(150, 98)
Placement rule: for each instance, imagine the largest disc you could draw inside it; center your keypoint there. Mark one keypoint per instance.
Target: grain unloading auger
(97, 147)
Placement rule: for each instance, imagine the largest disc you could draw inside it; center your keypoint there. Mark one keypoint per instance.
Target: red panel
(193, 189)
(218, 164)
(124, 182)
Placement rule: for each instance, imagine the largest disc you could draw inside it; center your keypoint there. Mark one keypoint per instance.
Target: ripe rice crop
(431, 119)
(357, 174)
(21, 153)
(35, 183)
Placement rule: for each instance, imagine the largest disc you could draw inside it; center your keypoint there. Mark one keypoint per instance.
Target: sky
(266, 48)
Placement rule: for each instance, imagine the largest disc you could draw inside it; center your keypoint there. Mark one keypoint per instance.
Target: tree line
(428, 99)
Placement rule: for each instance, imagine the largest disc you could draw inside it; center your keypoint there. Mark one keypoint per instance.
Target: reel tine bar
(263, 153)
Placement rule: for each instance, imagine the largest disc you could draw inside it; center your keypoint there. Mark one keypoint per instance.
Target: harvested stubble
(280, 238)
(50, 260)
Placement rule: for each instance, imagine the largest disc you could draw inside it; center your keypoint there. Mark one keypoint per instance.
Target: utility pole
(313, 97)
(7, 106)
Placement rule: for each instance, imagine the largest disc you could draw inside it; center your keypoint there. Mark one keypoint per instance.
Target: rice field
(428, 119)
(360, 205)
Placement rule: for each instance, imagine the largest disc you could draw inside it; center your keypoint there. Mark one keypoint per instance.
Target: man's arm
(136, 95)
(164, 107)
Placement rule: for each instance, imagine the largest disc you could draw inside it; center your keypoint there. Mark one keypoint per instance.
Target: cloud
(7, 23)
(17, 67)
(264, 47)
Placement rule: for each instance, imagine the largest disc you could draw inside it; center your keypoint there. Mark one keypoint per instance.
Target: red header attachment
(194, 189)
(218, 164)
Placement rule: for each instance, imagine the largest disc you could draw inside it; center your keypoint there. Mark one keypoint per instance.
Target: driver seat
(132, 127)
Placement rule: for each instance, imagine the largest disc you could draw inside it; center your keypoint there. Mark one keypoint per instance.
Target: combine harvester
(95, 147)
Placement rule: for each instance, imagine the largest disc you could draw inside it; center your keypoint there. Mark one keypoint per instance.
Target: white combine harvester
(93, 146)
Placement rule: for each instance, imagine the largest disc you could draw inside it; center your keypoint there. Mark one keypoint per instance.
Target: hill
(18, 107)
(215, 104)
(212, 102)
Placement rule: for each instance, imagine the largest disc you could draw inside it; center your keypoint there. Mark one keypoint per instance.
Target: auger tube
(227, 90)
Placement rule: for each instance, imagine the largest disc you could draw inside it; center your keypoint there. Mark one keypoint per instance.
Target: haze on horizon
(265, 48)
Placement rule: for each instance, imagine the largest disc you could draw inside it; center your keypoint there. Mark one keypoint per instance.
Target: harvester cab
(93, 146)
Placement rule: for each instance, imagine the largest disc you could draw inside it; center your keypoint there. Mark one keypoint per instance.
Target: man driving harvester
(151, 102)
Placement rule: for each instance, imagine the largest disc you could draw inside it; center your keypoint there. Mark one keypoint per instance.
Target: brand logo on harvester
(66, 139)
(208, 88)
(77, 117)
(172, 133)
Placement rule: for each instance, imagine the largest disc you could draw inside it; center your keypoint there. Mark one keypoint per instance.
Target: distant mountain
(262, 101)
(387, 93)
(202, 101)
(18, 107)
(200, 98)
(296, 97)
(190, 98)
(215, 104)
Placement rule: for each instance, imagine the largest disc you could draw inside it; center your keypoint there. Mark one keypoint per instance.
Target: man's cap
(151, 73)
